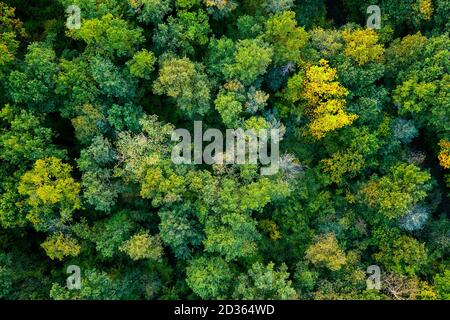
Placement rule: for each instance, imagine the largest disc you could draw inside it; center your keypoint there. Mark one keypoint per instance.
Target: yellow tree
(362, 46)
(325, 252)
(52, 195)
(325, 98)
(60, 245)
(444, 154)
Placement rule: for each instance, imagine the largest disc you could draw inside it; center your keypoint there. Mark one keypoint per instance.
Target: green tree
(234, 236)
(109, 35)
(209, 278)
(142, 246)
(405, 255)
(442, 284)
(394, 194)
(51, 194)
(33, 85)
(95, 285)
(183, 33)
(251, 59)
(142, 64)
(286, 38)
(265, 283)
(186, 83)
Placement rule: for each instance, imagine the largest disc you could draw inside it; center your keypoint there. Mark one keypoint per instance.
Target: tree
(444, 154)
(248, 27)
(401, 287)
(405, 255)
(89, 123)
(285, 37)
(24, 138)
(209, 278)
(10, 29)
(415, 218)
(265, 283)
(361, 45)
(140, 152)
(180, 231)
(220, 53)
(59, 246)
(421, 88)
(116, 84)
(100, 190)
(328, 41)
(51, 194)
(325, 98)
(251, 59)
(220, 9)
(108, 234)
(229, 107)
(76, 85)
(125, 117)
(150, 11)
(33, 85)
(142, 64)
(394, 194)
(326, 252)
(183, 33)
(142, 246)
(340, 164)
(109, 35)
(95, 285)
(12, 213)
(404, 130)
(233, 236)
(277, 6)
(185, 82)
(442, 284)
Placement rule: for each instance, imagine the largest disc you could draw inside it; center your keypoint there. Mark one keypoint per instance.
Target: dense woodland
(86, 176)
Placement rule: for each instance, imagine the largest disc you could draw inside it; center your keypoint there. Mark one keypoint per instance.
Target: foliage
(326, 252)
(393, 195)
(325, 100)
(87, 117)
(405, 255)
(209, 278)
(59, 246)
(181, 79)
(51, 193)
(142, 246)
(265, 283)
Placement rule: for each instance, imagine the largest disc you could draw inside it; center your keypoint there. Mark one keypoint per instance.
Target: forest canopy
(92, 90)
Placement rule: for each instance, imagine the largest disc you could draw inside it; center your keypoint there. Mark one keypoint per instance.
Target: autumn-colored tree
(326, 252)
(325, 100)
(361, 45)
